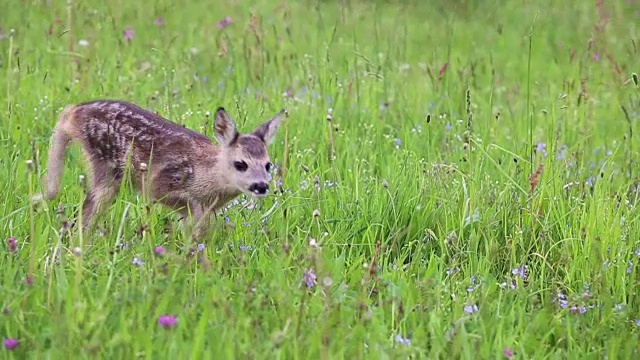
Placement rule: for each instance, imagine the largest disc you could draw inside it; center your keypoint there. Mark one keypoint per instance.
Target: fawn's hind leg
(104, 187)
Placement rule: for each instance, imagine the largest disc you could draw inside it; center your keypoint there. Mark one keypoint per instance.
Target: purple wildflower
(630, 268)
(12, 244)
(200, 247)
(159, 21)
(508, 353)
(224, 22)
(167, 321)
(542, 148)
(638, 322)
(310, 278)
(402, 340)
(562, 153)
(11, 344)
(159, 250)
(398, 142)
(137, 261)
(128, 34)
(562, 300)
(470, 309)
(520, 271)
(245, 248)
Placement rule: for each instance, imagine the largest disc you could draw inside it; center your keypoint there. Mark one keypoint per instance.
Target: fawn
(179, 167)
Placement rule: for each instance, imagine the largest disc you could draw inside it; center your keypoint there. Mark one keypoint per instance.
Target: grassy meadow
(455, 179)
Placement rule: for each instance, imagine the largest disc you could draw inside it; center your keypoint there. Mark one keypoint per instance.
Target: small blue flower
(200, 247)
(137, 261)
(398, 142)
(309, 278)
(542, 149)
(402, 340)
(470, 309)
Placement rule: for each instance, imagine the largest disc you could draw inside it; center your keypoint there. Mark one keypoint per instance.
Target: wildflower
(128, 34)
(224, 22)
(402, 340)
(520, 271)
(398, 143)
(508, 353)
(575, 309)
(76, 251)
(12, 244)
(638, 322)
(137, 262)
(470, 309)
(589, 182)
(310, 278)
(629, 268)
(11, 344)
(561, 299)
(562, 153)
(159, 250)
(167, 321)
(448, 127)
(159, 21)
(474, 285)
(83, 43)
(245, 248)
(200, 247)
(542, 149)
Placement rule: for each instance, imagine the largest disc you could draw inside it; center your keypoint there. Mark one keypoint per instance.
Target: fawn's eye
(268, 166)
(240, 165)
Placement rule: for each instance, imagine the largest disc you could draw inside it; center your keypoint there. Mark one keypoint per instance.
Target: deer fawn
(180, 168)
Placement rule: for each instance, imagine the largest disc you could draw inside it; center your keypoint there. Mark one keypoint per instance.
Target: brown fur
(179, 167)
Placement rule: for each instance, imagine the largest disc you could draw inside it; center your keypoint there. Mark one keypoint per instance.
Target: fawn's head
(244, 157)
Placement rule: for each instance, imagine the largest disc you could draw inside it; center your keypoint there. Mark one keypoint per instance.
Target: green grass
(410, 231)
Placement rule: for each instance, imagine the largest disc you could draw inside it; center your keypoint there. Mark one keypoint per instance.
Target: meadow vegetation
(455, 179)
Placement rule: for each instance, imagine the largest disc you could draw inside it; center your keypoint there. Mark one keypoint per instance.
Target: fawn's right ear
(224, 128)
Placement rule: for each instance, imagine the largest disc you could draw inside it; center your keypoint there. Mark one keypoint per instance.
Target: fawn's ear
(268, 130)
(224, 129)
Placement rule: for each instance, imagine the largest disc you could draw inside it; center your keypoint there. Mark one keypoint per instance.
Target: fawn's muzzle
(259, 188)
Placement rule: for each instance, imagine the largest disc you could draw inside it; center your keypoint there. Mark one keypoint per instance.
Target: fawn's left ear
(268, 130)
(224, 129)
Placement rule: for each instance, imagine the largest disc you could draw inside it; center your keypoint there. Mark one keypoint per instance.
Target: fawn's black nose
(259, 188)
